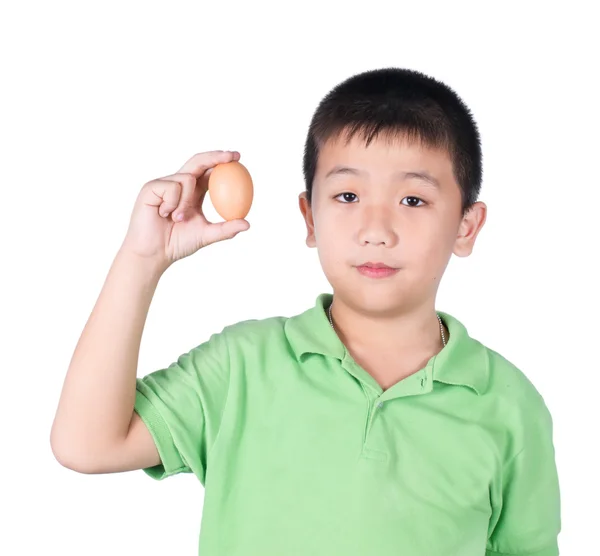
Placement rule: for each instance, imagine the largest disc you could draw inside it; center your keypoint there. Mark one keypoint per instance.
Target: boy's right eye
(345, 194)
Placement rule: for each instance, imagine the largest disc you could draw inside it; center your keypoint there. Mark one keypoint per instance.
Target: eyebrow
(422, 175)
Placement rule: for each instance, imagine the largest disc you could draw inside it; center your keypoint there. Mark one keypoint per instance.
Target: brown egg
(231, 190)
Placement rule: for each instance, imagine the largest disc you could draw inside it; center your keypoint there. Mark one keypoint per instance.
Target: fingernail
(179, 217)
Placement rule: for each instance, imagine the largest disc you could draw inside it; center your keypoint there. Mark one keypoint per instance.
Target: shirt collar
(464, 361)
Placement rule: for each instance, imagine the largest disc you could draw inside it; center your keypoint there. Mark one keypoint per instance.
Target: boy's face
(375, 214)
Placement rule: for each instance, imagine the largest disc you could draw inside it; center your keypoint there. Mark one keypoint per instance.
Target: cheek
(328, 231)
(437, 254)
(430, 244)
(331, 250)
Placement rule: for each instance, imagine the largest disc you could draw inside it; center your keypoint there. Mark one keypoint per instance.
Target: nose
(376, 227)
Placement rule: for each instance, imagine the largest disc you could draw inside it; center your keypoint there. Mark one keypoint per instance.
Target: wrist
(151, 267)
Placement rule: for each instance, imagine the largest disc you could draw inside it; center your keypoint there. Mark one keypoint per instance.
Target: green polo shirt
(302, 453)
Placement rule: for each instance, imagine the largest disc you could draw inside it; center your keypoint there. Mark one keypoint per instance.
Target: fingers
(180, 194)
(199, 166)
(169, 192)
(187, 194)
(224, 230)
(201, 162)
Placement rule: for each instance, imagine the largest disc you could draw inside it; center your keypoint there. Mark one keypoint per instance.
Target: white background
(98, 99)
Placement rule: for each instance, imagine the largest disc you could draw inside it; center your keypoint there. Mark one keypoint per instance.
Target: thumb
(225, 230)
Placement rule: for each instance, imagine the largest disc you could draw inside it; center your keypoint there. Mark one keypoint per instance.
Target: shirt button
(380, 404)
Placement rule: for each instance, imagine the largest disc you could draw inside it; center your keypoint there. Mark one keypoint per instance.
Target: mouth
(376, 265)
(376, 270)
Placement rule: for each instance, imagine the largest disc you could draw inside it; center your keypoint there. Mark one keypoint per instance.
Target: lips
(376, 272)
(376, 265)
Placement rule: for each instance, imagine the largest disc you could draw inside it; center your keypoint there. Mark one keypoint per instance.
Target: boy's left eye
(412, 198)
(415, 199)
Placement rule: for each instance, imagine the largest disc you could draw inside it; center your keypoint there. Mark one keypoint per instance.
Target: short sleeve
(530, 521)
(182, 406)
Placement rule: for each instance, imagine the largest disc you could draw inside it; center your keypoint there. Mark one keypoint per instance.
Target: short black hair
(399, 103)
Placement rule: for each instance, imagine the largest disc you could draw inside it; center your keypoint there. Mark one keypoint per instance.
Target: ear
(307, 213)
(469, 229)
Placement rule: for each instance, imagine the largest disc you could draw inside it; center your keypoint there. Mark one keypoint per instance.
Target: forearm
(98, 396)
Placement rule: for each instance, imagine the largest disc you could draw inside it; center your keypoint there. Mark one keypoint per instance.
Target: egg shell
(231, 190)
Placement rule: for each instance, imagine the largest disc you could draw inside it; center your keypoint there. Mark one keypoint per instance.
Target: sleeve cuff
(551, 550)
(171, 461)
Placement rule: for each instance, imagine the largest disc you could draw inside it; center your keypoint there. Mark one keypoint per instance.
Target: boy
(368, 424)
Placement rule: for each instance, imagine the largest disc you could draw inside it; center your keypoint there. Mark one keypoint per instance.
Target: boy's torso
(351, 469)
(317, 450)
(306, 453)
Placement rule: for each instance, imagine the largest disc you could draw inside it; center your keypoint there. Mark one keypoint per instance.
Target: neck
(415, 331)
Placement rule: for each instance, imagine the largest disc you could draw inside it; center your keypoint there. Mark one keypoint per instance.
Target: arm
(95, 428)
(529, 521)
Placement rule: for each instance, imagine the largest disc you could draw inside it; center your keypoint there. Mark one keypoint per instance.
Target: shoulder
(507, 380)
(514, 399)
(255, 329)
(255, 335)
(235, 340)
